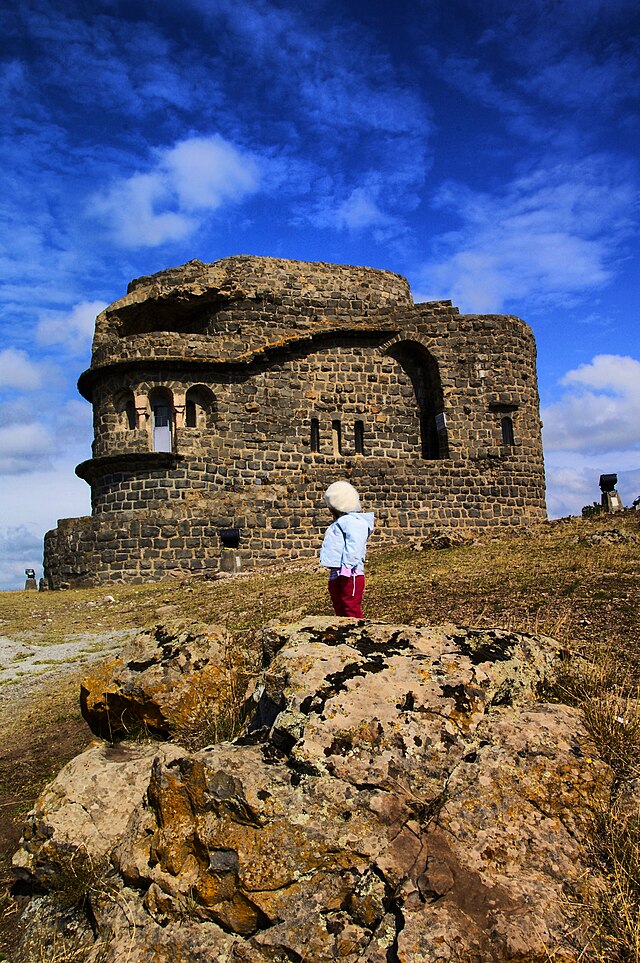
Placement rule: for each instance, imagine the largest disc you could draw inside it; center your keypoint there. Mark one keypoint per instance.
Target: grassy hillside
(570, 580)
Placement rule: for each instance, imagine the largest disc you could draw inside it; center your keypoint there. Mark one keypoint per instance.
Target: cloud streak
(553, 71)
(190, 180)
(550, 237)
(599, 410)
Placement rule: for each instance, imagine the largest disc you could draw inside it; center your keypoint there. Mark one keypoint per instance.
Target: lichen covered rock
(401, 794)
(175, 679)
(86, 809)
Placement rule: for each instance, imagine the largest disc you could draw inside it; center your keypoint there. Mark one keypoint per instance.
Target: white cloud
(550, 237)
(194, 177)
(208, 171)
(600, 410)
(364, 211)
(20, 548)
(73, 329)
(38, 502)
(569, 489)
(18, 538)
(129, 207)
(24, 447)
(17, 410)
(608, 372)
(573, 480)
(17, 370)
(360, 211)
(593, 429)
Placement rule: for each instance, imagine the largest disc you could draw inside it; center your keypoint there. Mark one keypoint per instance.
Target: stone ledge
(95, 468)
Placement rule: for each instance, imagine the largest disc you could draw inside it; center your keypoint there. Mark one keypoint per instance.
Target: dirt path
(26, 662)
(41, 729)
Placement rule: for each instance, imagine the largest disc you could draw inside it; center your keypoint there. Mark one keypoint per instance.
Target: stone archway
(422, 368)
(200, 407)
(161, 404)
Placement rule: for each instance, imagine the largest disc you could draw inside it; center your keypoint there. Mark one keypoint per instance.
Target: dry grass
(613, 916)
(59, 931)
(609, 699)
(220, 721)
(46, 945)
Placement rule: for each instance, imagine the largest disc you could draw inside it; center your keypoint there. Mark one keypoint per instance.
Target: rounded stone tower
(227, 396)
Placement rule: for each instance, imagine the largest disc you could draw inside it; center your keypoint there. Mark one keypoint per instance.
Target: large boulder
(86, 809)
(403, 793)
(184, 680)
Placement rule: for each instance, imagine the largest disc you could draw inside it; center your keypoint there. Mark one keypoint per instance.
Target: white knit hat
(342, 497)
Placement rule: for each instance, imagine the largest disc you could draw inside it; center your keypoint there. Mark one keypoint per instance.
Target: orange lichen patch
(97, 682)
(175, 796)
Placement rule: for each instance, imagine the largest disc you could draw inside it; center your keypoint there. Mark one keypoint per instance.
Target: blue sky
(489, 152)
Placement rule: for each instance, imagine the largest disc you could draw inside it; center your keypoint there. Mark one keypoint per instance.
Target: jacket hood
(368, 517)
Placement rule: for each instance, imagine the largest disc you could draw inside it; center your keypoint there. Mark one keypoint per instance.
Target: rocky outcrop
(608, 536)
(402, 793)
(181, 679)
(442, 538)
(86, 809)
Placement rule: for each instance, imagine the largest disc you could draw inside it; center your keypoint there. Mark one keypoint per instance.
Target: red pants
(346, 594)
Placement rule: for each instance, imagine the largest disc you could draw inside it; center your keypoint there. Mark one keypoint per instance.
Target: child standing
(344, 548)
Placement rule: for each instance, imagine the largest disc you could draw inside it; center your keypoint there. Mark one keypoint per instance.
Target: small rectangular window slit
(314, 435)
(336, 435)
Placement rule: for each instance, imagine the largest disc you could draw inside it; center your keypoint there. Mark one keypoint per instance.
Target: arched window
(507, 431)
(132, 414)
(125, 407)
(161, 404)
(314, 435)
(358, 433)
(199, 407)
(422, 369)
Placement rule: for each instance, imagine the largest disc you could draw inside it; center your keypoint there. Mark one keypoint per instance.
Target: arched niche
(422, 369)
(125, 408)
(162, 419)
(200, 407)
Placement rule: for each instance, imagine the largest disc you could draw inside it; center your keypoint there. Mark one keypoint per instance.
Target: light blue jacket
(345, 541)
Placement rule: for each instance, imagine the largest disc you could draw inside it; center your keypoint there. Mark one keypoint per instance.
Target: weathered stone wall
(279, 521)
(428, 388)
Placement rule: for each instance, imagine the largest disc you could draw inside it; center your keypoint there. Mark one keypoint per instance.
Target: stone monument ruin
(610, 499)
(227, 397)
